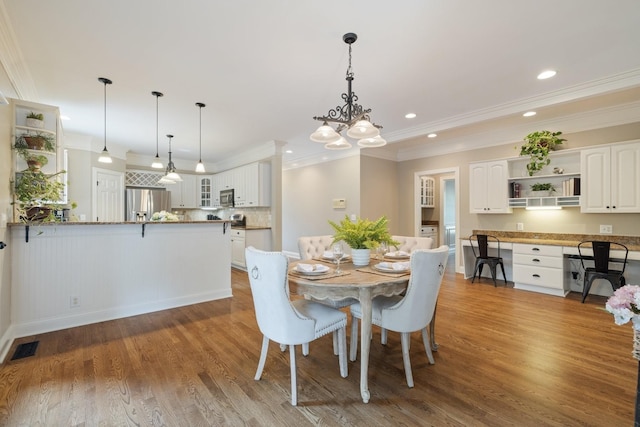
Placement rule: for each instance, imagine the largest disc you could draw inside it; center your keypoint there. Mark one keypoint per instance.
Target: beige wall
(566, 220)
(379, 190)
(307, 195)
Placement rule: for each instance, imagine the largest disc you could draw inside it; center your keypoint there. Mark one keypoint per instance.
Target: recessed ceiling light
(65, 118)
(410, 116)
(289, 151)
(546, 74)
(432, 135)
(529, 114)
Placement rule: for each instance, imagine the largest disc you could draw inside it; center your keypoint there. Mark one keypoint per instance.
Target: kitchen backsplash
(257, 217)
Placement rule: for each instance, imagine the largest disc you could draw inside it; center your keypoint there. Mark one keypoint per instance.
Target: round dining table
(363, 283)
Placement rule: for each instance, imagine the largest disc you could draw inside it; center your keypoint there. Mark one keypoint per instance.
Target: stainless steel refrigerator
(141, 203)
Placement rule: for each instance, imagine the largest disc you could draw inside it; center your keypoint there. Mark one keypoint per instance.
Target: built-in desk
(548, 262)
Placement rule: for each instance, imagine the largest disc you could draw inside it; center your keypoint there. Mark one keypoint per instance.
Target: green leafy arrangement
(547, 186)
(363, 233)
(537, 147)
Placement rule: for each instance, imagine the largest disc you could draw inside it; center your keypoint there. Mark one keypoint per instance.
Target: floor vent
(25, 350)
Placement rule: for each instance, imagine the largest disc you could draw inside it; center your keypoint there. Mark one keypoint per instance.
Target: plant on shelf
(537, 146)
(547, 186)
(35, 120)
(40, 141)
(36, 194)
(35, 162)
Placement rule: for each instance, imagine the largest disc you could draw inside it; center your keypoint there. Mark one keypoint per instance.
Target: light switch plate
(339, 203)
(606, 229)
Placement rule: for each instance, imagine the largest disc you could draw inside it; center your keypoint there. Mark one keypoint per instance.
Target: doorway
(448, 212)
(108, 196)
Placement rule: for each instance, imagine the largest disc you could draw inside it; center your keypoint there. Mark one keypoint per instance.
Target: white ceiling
(265, 68)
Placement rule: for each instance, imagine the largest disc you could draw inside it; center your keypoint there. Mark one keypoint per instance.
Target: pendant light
(104, 156)
(171, 168)
(200, 165)
(157, 163)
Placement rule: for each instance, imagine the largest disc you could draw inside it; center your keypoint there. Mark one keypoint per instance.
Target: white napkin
(328, 254)
(398, 254)
(307, 268)
(397, 266)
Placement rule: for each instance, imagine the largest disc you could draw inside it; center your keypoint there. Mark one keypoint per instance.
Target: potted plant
(40, 141)
(36, 194)
(36, 161)
(537, 146)
(35, 120)
(362, 235)
(542, 189)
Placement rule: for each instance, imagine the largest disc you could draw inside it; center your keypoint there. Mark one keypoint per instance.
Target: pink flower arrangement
(624, 304)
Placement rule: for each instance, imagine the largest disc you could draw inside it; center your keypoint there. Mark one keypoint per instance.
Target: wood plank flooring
(506, 358)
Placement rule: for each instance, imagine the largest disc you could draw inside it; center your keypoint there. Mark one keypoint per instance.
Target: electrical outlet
(519, 226)
(74, 301)
(606, 229)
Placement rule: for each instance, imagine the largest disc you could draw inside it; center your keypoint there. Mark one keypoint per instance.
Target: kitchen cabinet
(427, 192)
(611, 179)
(237, 247)
(258, 184)
(488, 189)
(539, 268)
(183, 194)
(244, 238)
(204, 186)
(238, 178)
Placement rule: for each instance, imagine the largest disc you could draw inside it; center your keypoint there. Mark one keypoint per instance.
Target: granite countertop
(38, 224)
(560, 239)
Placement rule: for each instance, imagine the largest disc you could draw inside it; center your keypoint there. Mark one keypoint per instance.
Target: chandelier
(350, 116)
(171, 176)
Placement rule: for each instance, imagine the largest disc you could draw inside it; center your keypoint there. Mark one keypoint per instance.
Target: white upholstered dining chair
(411, 312)
(409, 243)
(285, 321)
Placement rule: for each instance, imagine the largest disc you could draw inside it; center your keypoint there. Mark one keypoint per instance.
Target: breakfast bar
(75, 273)
(564, 275)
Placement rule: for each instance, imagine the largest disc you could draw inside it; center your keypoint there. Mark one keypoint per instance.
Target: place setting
(320, 271)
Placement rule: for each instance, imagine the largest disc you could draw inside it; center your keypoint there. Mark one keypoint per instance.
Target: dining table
(361, 282)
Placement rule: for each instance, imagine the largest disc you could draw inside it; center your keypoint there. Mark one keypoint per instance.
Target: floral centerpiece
(624, 304)
(164, 216)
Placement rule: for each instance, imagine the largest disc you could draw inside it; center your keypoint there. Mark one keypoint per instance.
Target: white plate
(390, 270)
(330, 258)
(321, 269)
(393, 256)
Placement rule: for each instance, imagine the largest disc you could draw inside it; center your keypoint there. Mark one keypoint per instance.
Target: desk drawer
(538, 276)
(544, 250)
(538, 260)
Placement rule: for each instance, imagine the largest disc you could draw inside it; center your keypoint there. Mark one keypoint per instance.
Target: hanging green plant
(537, 146)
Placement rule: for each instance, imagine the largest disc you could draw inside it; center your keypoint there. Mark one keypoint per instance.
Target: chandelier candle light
(157, 163)
(200, 165)
(104, 156)
(350, 116)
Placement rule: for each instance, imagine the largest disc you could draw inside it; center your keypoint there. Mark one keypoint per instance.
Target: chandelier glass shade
(157, 163)
(104, 156)
(350, 116)
(200, 165)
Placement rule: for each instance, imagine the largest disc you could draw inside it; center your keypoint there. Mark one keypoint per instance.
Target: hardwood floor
(506, 358)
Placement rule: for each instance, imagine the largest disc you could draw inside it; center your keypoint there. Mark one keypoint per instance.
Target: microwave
(226, 198)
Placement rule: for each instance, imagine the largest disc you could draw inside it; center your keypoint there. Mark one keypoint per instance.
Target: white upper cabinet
(204, 189)
(488, 189)
(258, 184)
(427, 192)
(611, 179)
(183, 194)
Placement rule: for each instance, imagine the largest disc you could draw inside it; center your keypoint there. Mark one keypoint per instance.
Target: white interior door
(108, 196)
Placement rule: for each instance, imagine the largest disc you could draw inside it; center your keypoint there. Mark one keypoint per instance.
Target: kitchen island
(75, 273)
